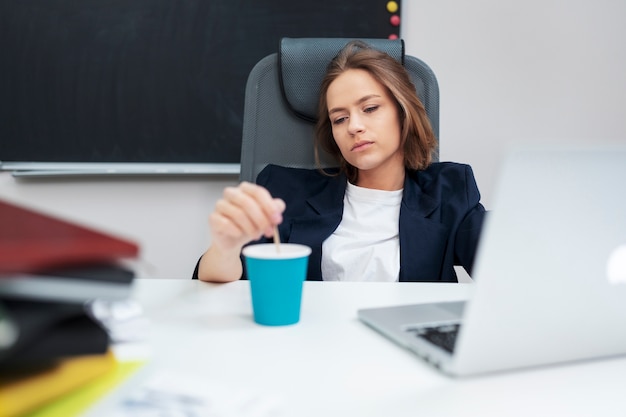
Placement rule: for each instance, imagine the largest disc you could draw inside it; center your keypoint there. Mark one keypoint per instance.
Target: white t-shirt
(365, 246)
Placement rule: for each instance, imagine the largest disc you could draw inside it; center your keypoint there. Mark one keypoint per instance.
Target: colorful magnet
(392, 6)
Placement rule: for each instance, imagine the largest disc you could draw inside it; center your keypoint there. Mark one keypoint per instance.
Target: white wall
(507, 71)
(513, 71)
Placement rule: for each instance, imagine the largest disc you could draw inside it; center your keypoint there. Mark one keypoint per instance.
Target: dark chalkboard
(147, 81)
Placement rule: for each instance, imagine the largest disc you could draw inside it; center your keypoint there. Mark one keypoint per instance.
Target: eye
(339, 120)
(370, 109)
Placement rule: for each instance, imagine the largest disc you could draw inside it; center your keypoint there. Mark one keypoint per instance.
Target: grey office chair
(281, 101)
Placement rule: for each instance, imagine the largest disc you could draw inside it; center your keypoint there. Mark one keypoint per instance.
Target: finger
(245, 204)
(272, 207)
(241, 222)
(251, 209)
(280, 206)
(226, 235)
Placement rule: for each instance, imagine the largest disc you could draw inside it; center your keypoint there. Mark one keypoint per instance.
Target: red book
(37, 249)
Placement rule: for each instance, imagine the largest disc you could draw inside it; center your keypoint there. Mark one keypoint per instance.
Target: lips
(360, 145)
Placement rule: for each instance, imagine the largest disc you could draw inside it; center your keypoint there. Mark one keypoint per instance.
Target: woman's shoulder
(449, 184)
(277, 178)
(271, 171)
(446, 177)
(438, 171)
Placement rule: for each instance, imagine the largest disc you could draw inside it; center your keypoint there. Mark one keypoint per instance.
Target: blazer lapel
(324, 213)
(422, 239)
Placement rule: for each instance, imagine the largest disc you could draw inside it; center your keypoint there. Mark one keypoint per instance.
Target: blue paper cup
(276, 278)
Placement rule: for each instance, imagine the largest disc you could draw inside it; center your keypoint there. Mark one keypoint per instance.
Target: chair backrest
(281, 100)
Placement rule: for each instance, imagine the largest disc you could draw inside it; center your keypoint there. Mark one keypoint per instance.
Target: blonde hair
(417, 137)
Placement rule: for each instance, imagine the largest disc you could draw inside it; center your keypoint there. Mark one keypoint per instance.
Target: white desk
(330, 364)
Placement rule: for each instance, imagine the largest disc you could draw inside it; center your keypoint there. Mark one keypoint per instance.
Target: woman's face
(365, 123)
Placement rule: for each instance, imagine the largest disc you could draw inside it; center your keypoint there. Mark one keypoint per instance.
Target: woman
(385, 214)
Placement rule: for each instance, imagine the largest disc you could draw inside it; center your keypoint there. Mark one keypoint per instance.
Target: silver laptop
(550, 273)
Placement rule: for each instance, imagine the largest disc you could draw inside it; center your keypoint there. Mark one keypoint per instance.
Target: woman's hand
(244, 213)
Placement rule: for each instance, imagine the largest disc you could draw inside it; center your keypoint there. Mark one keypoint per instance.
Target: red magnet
(395, 20)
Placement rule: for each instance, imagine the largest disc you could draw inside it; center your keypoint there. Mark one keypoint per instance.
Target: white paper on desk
(123, 319)
(175, 395)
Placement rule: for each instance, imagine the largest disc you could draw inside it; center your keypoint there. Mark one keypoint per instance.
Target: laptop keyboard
(442, 336)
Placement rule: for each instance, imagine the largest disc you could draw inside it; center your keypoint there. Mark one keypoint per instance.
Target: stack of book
(51, 344)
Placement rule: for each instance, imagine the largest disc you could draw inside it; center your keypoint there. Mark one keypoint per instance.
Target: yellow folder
(65, 390)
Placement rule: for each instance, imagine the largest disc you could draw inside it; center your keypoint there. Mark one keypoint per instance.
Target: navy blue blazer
(441, 217)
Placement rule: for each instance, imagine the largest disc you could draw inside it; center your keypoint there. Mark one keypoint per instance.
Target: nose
(355, 124)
